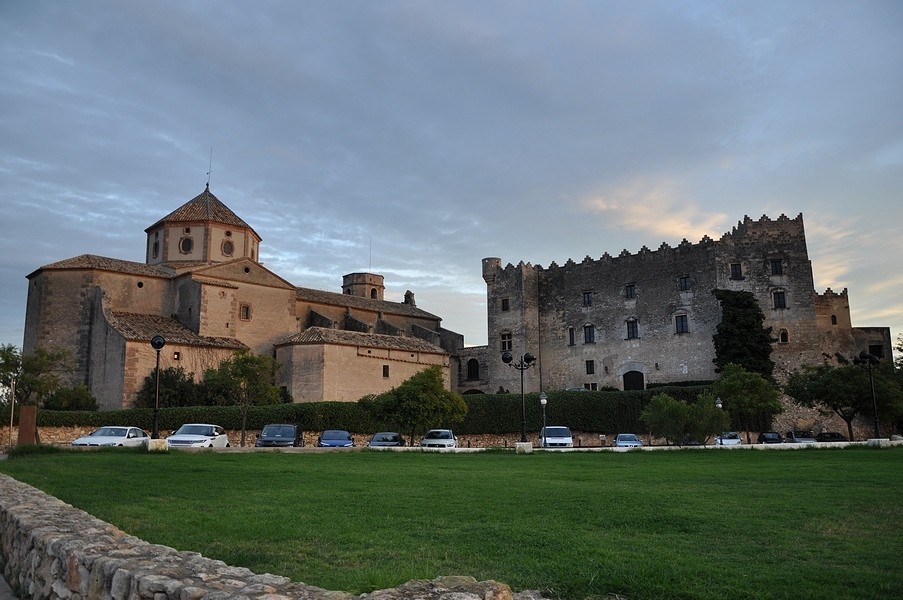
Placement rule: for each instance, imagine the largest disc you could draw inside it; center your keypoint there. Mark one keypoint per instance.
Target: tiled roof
(323, 335)
(336, 299)
(203, 207)
(92, 261)
(138, 327)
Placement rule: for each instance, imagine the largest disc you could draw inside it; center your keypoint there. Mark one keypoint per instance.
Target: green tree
(10, 369)
(844, 391)
(746, 396)
(419, 403)
(177, 388)
(71, 398)
(741, 337)
(245, 379)
(37, 375)
(666, 417)
(705, 420)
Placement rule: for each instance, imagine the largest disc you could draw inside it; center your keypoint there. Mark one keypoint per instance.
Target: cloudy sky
(414, 138)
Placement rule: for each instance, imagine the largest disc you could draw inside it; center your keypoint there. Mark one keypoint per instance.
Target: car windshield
(730, 435)
(627, 437)
(557, 432)
(803, 434)
(385, 437)
(336, 435)
(195, 430)
(286, 431)
(110, 432)
(438, 434)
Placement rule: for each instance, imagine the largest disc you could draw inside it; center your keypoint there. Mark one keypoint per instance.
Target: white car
(439, 438)
(728, 438)
(627, 440)
(555, 436)
(198, 435)
(114, 435)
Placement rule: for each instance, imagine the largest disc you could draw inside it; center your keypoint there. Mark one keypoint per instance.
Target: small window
(736, 271)
(777, 267)
(833, 319)
(571, 340)
(386, 371)
(783, 336)
(632, 330)
(473, 370)
(176, 355)
(590, 367)
(588, 298)
(506, 304)
(590, 386)
(506, 342)
(187, 230)
(780, 299)
(373, 294)
(876, 350)
(683, 283)
(228, 248)
(244, 312)
(186, 245)
(140, 284)
(589, 334)
(228, 234)
(630, 291)
(681, 324)
(156, 250)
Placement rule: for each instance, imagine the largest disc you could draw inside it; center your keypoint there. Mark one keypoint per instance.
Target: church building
(203, 289)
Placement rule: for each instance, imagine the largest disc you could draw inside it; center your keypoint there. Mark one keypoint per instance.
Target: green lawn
(685, 524)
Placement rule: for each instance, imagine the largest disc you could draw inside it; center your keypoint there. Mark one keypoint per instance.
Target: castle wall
(107, 374)
(832, 315)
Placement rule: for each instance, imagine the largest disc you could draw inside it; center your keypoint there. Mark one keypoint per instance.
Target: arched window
(634, 380)
(373, 293)
(833, 319)
(783, 336)
(473, 370)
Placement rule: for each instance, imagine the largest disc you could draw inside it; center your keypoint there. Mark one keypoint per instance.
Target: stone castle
(622, 322)
(631, 320)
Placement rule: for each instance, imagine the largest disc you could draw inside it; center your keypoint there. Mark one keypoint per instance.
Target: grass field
(694, 524)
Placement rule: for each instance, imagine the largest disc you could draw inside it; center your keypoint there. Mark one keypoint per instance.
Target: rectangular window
(588, 298)
(590, 386)
(632, 330)
(386, 371)
(244, 312)
(683, 283)
(777, 267)
(506, 342)
(876, 350)
(780, 300)
(506, 305)
(589, 334)
(736, 271)
(571, 340)
(681, 324)
(590, 367)
(630, 291)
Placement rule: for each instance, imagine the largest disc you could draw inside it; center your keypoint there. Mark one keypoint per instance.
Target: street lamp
(526, 361)
(870, 359)
(718, 403)
(12, 406)
(543, 399)
(157, 343)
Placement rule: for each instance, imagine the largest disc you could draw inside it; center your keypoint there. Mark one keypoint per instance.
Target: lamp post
(525, 362)
(157, 343)
(718, 405)
(543, 399)
(870, 359)
(12, 406)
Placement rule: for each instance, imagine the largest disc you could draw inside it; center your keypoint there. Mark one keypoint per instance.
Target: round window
(228, 248)
(186, 245)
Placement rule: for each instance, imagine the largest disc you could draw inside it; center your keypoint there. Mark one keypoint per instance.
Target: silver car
(114, 435)
(556, 436)
(627, 440)
(439, 438)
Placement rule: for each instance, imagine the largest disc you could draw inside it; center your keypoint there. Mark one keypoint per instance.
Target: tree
(746, 396)
(419, 403)
(705, 419)
(244, 379)
(845, 391)
(177, 388)
(71, 398)
(666, 417)
(740, 337)
(10, 368)
(37, 375)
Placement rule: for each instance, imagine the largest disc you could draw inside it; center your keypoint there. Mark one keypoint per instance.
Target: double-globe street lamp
(157, 343)
(865, 358)
(526, 361)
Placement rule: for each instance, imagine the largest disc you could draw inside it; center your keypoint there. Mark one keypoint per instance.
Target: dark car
(279, 435)
(831, 436)
(335, 438)
(770, 437)
(385, 438)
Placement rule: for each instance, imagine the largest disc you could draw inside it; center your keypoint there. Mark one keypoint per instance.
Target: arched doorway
(633, 380)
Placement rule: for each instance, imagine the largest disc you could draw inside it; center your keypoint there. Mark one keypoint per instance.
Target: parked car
(831, 436)
(439, 438)
(335, 438)
(385, 438)
(799, 437)
(114, 435)
(279, 435)
(198, 435)
(728, 438)
(556, 436)
(627, 440)
(770, 437)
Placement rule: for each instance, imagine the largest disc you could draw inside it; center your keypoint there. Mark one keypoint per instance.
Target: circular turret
(365, 285)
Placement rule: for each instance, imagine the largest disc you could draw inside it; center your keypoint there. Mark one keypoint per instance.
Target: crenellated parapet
(765, 229)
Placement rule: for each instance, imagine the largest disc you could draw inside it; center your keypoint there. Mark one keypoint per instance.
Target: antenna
(370, 266)
(210, 168)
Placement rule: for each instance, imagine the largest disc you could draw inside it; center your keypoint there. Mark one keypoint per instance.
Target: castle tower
(201, 230)
(365, 285)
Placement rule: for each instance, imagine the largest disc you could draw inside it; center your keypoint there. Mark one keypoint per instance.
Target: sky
(414, 138)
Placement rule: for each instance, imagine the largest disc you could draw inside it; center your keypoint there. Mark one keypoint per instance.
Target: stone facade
(204, 290)
(629, 320)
